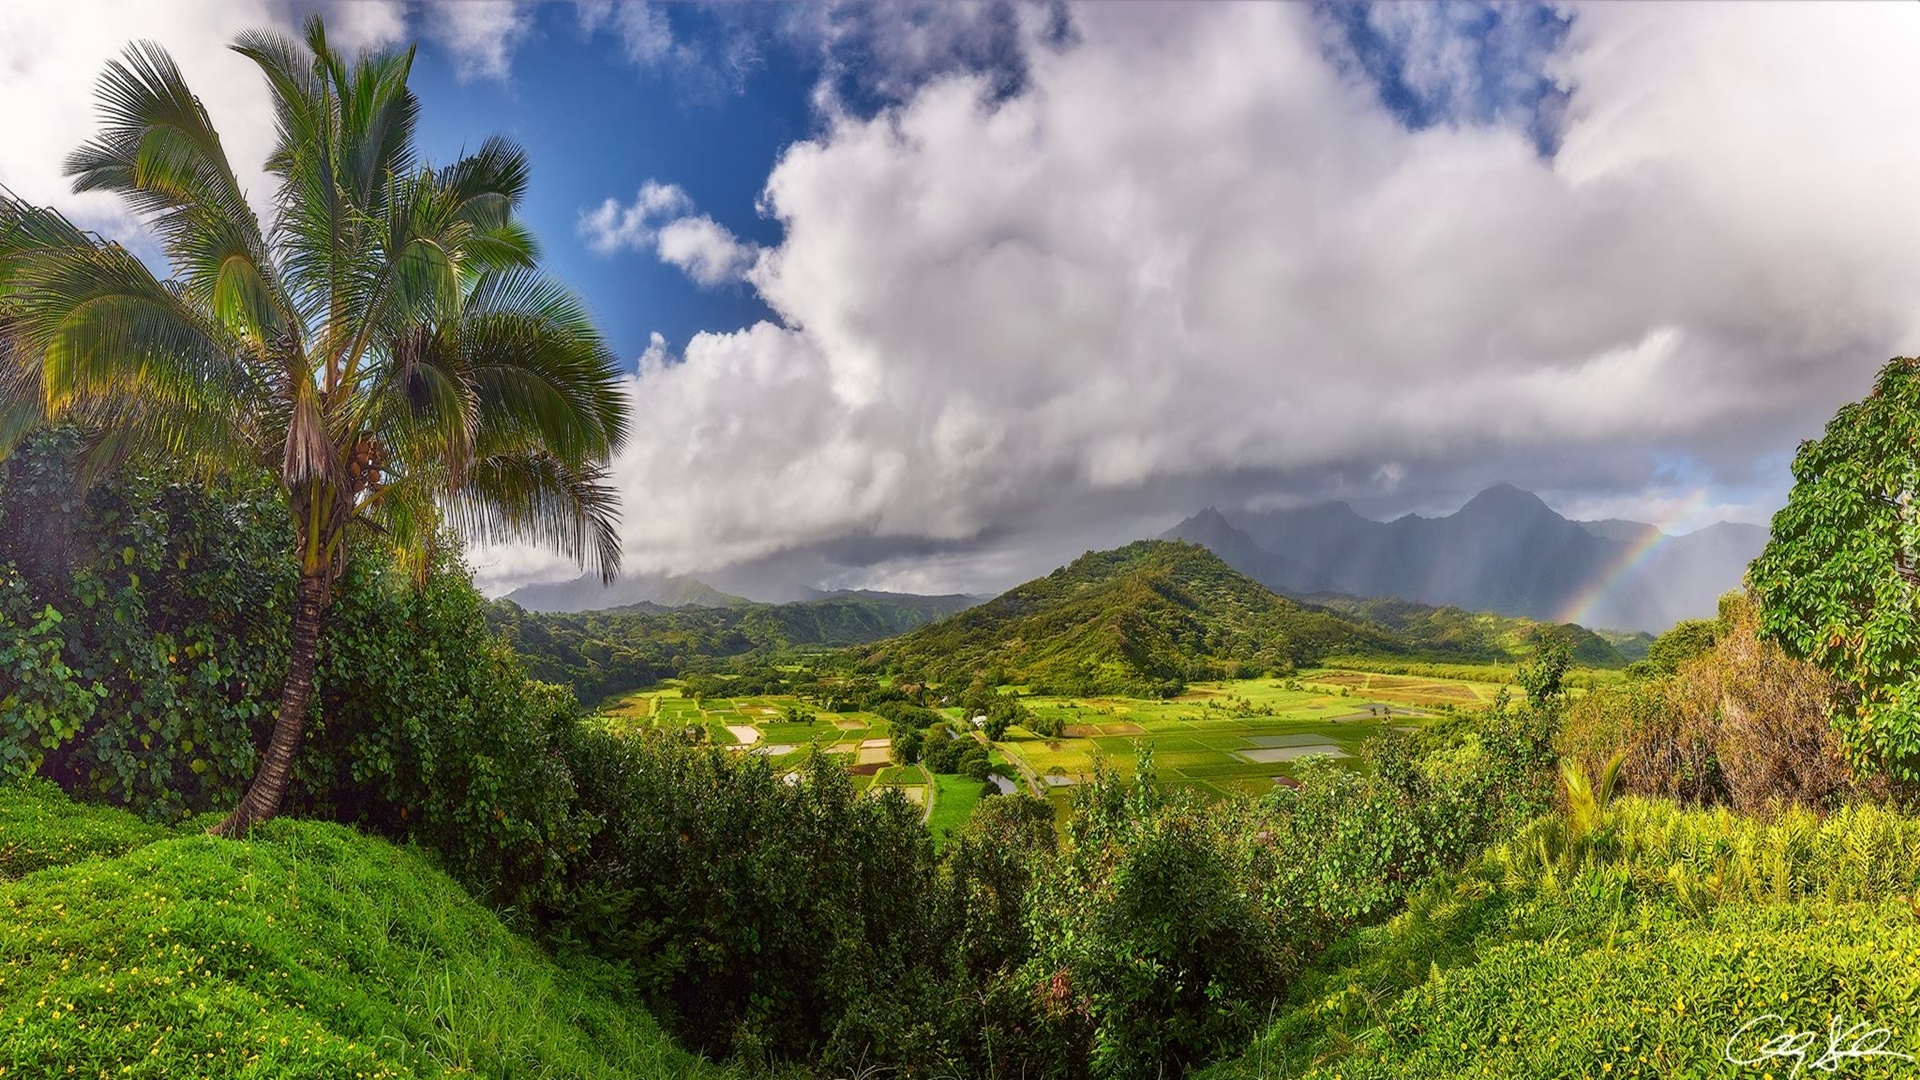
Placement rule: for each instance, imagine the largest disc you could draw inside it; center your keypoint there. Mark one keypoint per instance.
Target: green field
(1218, 738)
(764, 721)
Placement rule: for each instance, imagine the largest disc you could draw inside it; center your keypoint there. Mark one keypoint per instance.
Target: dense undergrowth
(308, 950)
(1640, 949)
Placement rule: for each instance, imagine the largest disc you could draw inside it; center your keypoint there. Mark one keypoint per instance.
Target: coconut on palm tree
(386, 344)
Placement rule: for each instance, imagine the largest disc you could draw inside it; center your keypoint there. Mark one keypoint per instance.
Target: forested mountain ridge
(1143, 618)
(600, 653)
(1452, 630)
(588, 593)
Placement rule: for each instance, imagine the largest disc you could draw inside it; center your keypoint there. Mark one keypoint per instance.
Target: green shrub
(1168, 928)
(305, 951)
(1151, 931)
(1685, 640)
(162, 602)
(143, 642)
(428, 728)
(773, 920)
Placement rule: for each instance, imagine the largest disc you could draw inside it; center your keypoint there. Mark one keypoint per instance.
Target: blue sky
(950, 293)
(597, 125)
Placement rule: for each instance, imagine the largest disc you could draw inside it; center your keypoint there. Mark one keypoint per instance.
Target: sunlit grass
(306, 951)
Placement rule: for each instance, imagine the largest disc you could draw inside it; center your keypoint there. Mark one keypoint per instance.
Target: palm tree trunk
(269, 785)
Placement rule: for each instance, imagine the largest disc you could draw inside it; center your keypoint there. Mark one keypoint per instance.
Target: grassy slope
(309, 951)
(1639, 962)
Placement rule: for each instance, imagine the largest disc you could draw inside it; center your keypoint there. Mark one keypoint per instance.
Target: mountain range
(602, 653)
(1505, 551)
(588, 593)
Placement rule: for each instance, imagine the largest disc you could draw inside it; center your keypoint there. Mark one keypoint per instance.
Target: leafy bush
(1155, 919)
(426, 727)
(306, 951)
(143, 641)
(776, 921)
(164, 603)
(1685, 640)
(1167, 928)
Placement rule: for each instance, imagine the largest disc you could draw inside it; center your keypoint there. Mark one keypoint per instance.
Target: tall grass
(1858, 853)
(1634, 941)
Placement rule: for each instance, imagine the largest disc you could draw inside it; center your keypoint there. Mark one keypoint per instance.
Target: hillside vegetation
(1638, 948)
(308, 950)
(602, 653)
(1480, 635)
(1141, 619)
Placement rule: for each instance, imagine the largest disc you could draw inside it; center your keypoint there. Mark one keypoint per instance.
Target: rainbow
(1579, 609)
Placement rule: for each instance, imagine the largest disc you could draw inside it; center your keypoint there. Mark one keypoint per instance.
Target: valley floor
(1219, 738)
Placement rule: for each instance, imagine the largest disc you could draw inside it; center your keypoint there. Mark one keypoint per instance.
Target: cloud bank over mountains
(1198, 255)
(1052, 277)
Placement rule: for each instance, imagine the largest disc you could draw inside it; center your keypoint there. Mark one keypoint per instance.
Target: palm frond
(530, 495)
(541, 368)
(158, 150)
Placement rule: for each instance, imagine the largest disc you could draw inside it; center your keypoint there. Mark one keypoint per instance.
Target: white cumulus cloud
(481, 34)
(1192, 259)
(660, 219)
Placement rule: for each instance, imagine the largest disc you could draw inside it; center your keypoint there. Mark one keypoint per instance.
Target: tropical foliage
(384, 344)
(1837, 580)
(159, 606)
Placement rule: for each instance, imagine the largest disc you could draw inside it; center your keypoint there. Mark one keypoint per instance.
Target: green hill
(1481, 635)
(1141, 619)
(307, 951)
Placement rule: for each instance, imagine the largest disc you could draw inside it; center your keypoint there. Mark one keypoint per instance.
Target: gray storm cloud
(1191, 249)
(1188, 257)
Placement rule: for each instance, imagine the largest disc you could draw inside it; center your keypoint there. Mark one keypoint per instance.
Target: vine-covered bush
(427, 727)
(144, 626)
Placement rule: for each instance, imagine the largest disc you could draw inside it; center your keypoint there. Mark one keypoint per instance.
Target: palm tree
(388, 347)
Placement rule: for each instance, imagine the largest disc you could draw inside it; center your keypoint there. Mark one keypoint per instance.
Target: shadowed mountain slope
(1505, 551)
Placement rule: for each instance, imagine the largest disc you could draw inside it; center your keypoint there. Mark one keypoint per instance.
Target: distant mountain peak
(1505, 499)
(1505, 551)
